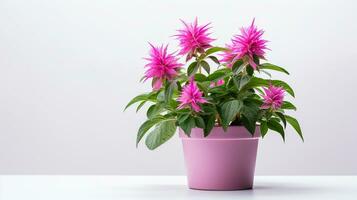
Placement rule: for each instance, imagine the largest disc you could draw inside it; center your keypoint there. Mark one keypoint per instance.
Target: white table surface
(19, 187)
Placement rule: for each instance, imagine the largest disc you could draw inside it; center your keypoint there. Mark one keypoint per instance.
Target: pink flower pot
(222, 160)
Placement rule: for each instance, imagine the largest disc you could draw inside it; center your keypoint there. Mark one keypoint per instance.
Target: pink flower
(161, 66)
(193, 37)
(191, 96)
(273, 97)
(228, 57)
(248, 44)
(218, 83)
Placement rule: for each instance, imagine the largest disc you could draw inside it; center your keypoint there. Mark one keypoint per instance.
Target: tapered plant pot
(222, 160)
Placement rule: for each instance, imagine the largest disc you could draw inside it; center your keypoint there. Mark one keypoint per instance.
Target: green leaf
(140, 105)
(243, 81)
(273, 67)
(150, 111)
(238, 66)
(229, 111)
(183, 111)
(282, 117)
(217, 75)
(205, 66)
(200, 123)
(192, 68)
(178, 85)
(142, 79)
(259, 90)
(255, 82)
(248, 124)
(187, 125)
(265, 72)
(208, 109)
(218, 90)
(225, 70)
(162, 132)
(275, 126)
(161, 96)
(240, 81)
(275, 119)
(214, 50)
(263, 128)
(256, 100)
(256, 60)
(236, 81)
(169, 89)
(210, 122)
(154, 110)
(146, 126)
(295, 124)
(250, 70)
(138, 98)
(181, 118)
(214, 59)
(250, 115)
(204, 86)
(200, 77)
(288, 106)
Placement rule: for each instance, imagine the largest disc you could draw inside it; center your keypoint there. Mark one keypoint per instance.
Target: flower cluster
(203, 96)
(246, 45)
(273, 97)
(193, 38)
(191, 96)
(161, 66)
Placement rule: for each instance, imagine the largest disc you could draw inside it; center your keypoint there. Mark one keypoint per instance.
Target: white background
(68, 67)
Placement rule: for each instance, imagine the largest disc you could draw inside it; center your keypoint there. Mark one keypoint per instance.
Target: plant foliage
(235, 94)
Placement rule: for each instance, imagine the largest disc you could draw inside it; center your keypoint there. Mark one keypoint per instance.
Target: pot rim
(217, 133)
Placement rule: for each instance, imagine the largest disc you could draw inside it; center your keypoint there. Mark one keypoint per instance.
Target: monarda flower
(273, 97)
(193, 37)
(191, 96)
(162, 66)
(246, 45)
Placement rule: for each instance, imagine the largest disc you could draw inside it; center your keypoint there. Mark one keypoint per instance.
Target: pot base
(233, 189)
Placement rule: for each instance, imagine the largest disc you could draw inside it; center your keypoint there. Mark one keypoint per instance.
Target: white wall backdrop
(68, 67)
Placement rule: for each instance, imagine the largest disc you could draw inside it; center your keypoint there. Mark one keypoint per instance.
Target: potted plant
(222, 103)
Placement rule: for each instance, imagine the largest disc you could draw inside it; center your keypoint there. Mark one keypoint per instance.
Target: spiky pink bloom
(193, 37)
(273, 97)
(161, 66)
(248, 44)
(218, 83)
(191, 96)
